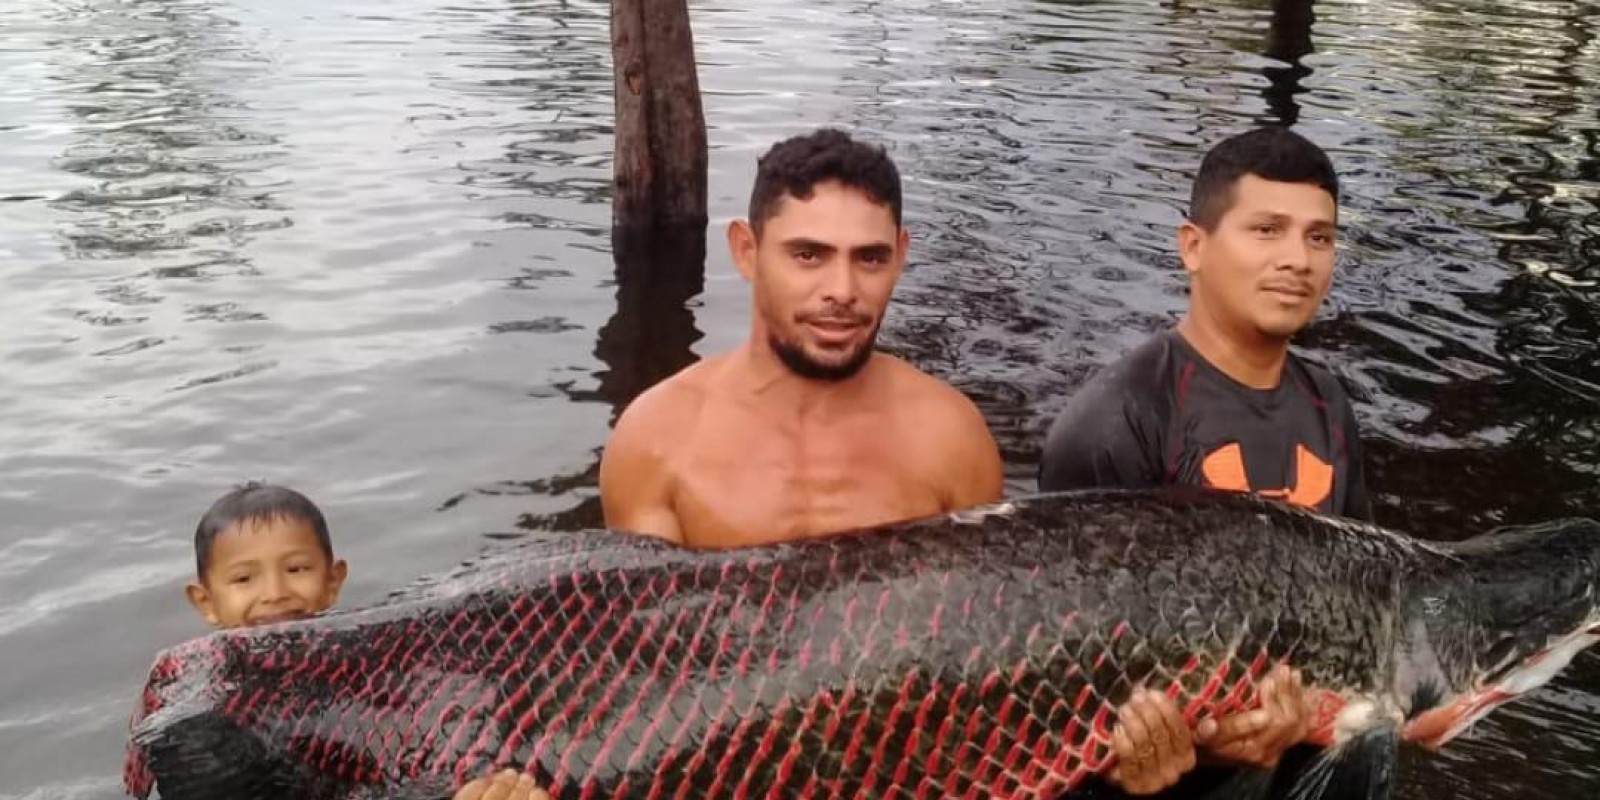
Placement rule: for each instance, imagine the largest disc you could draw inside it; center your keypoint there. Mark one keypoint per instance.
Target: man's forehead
(832, 218)
(1253, 195)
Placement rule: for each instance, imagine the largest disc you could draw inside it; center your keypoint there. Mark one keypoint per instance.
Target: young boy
(263, 555)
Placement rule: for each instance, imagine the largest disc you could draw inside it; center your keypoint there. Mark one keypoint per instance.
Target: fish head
(1530, 600)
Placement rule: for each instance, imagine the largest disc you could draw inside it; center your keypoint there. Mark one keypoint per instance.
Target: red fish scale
(942, 661)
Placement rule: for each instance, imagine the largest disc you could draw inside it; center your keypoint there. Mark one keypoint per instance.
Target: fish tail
(1362, 767)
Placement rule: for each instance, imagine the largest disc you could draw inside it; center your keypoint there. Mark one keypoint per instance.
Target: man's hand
(1152, 744)
(1258, 738)
(508, 785)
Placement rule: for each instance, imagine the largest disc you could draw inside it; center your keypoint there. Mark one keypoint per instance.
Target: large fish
(976, 654)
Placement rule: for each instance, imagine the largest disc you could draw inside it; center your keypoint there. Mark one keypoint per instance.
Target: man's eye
(1266, 229)
(239, 580)
(805, 255)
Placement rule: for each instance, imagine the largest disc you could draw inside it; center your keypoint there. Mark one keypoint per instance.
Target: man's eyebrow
(876, 250)
(1284, 216)
(801, 241)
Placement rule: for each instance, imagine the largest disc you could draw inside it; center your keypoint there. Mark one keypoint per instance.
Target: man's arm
(635, 479)
(974, 473)
(1100, 440)
(1357, 503)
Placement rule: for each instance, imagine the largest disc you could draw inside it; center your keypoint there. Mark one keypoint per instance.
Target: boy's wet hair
(1272, 153)
(796, 165)
(256, 502)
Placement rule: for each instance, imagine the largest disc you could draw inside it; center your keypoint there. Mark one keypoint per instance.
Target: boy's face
(265, 571)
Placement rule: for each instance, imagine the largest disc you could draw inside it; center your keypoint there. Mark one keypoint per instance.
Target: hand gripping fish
(977, 654)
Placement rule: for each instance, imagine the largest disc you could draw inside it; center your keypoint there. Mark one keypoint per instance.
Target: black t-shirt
(1164, 415)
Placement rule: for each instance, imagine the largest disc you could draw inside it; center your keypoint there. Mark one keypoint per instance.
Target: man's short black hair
(1272, 153)
(256, 502)
(796, 165)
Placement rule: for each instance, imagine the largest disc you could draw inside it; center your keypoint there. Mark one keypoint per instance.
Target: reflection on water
(362, 248)
(1288, 41)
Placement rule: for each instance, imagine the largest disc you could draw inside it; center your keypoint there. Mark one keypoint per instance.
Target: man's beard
(800, 363)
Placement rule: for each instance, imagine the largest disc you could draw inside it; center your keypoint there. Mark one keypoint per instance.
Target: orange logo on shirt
(1313, 477)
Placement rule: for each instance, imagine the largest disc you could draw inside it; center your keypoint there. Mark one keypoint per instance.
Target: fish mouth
(1437, 726)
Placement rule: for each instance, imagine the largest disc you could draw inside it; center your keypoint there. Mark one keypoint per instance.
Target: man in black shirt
(1220, 401)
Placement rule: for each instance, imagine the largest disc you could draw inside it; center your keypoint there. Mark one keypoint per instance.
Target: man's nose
(839, 287)
(1295, 255)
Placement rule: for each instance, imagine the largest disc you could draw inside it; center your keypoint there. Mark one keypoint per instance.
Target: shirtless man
(804, 429)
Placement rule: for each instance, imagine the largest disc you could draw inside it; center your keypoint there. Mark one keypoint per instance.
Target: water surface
(361, 248)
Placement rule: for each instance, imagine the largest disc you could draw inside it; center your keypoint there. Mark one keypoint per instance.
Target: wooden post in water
(659, 182)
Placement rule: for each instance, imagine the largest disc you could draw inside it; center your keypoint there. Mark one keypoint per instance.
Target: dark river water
(361, 247)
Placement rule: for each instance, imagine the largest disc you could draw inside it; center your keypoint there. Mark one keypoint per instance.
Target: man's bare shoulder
(637, 472)
(671, 403)
(929, 398)
(948, 434)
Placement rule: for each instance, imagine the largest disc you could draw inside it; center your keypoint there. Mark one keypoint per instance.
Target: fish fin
(1361, 768)
(207, 757)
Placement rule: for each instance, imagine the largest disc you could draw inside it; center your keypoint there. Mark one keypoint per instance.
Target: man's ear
(201, 600)
(742, 246)
(903, 243)
(1191, 244)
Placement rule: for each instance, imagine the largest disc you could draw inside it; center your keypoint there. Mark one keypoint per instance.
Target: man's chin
(828, 366)
(1281, 330)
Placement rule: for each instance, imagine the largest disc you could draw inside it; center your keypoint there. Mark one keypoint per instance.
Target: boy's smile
(266, 571)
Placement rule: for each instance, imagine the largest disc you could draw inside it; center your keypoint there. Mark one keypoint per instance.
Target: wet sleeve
(1357, 504)
(1100, 441)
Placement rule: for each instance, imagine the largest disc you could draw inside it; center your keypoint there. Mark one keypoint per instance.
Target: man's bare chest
(756, 488)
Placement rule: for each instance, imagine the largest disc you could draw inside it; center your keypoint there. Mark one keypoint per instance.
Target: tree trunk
(660, 177)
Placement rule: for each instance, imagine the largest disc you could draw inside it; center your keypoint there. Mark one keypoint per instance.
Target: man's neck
(1254, 361)
(781, 390)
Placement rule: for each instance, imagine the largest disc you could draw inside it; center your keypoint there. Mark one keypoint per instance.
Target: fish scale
(977, 654)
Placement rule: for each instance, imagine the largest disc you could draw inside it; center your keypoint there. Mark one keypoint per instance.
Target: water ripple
(362, 248)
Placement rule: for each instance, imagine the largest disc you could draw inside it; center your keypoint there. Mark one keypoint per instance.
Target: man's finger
(1299, 709)
(1122, 744)
(1244, 750)
(1239, 726)
(474, 790)
(1174, 730)
(1303, 703)
(1288, 694)
(504, 785)
(1132, 717)
(497, 787)
(1126, 774)
(1153, 709)
(1182, 739)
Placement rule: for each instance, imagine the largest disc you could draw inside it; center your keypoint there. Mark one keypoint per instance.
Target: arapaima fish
(971, 655)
